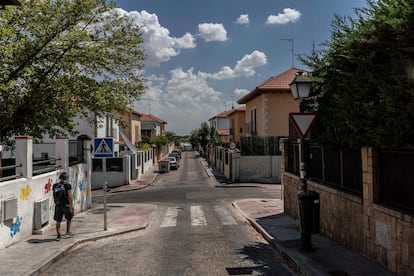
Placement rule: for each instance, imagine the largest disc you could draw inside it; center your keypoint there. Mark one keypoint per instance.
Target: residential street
(193, 231)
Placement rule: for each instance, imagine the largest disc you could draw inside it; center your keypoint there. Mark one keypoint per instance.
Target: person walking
(62, 195)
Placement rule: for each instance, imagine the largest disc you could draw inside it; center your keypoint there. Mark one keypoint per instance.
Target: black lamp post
(300, 87)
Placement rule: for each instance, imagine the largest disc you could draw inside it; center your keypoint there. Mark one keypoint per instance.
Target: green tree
(204, 133)
(214, 136)
(363, 78)
(194, 138)
(159, 141)
(65, 58)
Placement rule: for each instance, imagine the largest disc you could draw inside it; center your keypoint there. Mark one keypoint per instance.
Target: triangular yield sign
(303, 122)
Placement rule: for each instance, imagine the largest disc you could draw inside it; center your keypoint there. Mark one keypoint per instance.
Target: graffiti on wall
(15, 227)
(87, 189)
(48, 186)
(25, 192)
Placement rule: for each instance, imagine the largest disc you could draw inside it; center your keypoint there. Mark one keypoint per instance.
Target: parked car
(174, 163)
(176, 155)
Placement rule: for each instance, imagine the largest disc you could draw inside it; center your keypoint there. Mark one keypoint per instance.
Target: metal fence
(44, 163)
(340, 168)
(8, 169)
(267, 145)
(292, 158)
(396, 179)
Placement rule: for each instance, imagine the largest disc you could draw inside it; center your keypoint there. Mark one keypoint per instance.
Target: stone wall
(384, 235)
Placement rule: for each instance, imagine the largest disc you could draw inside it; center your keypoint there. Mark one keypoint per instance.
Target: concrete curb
(65, 250)
(299, 270)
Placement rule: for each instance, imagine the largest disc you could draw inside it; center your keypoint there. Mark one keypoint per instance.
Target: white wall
(29, 189)
(266, 169)
(39, 188)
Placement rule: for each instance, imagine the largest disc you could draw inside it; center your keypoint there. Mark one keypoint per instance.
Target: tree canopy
(62, 59)
(364, 78)
(204, 135)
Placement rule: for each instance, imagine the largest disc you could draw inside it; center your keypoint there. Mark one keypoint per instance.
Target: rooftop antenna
(291, 49)
(149, 108)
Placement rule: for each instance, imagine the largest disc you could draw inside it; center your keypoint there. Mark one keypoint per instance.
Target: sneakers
(68, 235)
(58, 237)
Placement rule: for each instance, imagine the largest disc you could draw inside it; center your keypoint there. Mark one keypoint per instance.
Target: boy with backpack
(62, 195)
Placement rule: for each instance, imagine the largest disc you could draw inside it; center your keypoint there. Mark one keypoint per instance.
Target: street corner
(133, 216)
(256, 208)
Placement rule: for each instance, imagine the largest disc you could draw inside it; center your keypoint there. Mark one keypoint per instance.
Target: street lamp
(300, 87)
(308, 200)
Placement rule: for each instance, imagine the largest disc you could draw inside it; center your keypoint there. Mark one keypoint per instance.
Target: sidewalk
(38, 252)
(283, 233)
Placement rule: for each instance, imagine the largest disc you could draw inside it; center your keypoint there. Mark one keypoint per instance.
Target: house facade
(132, 128)
(237, 120)
(268, 106)
(221, 122)
(152, 126)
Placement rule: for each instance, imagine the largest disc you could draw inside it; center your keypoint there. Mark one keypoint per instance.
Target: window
(253, 120)
(114, 165)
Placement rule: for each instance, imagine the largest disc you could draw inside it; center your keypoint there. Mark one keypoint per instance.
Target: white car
(173, 162)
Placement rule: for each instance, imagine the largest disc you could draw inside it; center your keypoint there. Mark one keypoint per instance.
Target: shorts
(62, 210)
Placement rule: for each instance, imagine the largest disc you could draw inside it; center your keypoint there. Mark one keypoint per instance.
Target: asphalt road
(194, 231)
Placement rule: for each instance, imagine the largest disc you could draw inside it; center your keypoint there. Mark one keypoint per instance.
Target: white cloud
(240, 92)
(187, 41)
(212, 32)
(288, 15)
(244, 67)
(243, 19)
(184, 101)
(159, 45)
(185, 86)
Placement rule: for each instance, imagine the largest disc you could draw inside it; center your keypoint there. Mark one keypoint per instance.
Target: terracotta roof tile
(151, 118)
(277, 83)
(239, 109)
(223, 114)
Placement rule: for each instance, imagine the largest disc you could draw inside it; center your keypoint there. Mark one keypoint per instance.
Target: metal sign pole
(104, 203)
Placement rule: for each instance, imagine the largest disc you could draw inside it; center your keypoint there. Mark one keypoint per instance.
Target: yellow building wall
(239, 120)
(277, 108)
(258, 104)
(135, 136)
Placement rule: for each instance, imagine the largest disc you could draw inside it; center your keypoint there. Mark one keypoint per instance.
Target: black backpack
(59, 194)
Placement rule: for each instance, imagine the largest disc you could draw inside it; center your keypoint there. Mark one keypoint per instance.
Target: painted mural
(15, 226)
(48, 186)
(25, 192)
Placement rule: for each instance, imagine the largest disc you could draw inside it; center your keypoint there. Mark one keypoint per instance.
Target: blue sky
(202, 56)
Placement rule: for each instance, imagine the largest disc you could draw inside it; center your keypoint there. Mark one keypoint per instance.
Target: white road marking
(224, 215)
(197, 216)
(170, 219)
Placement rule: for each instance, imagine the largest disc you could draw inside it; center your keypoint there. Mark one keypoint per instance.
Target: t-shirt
(68, 187)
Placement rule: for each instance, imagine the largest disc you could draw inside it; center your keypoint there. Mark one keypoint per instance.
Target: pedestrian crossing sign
(103, 147)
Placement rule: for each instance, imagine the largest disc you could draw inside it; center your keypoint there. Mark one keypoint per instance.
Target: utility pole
(292, 49)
